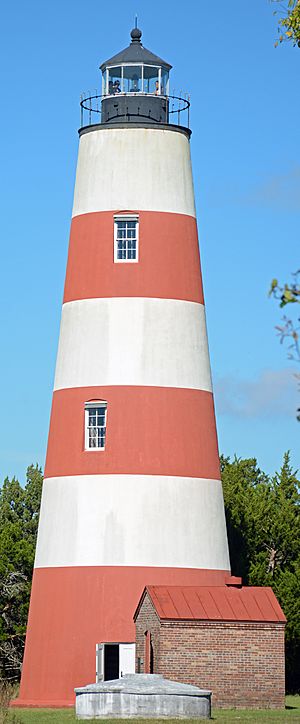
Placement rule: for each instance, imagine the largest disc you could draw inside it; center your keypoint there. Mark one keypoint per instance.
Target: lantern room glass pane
(132, 79)
(164, 82)
(114, 81)
(151, 82)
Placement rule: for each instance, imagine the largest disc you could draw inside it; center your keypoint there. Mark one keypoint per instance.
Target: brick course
(241, 662)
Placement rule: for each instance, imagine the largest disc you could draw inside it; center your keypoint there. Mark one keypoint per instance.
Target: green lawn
(59, 716)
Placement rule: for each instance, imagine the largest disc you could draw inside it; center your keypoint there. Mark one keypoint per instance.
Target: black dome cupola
(136, 53)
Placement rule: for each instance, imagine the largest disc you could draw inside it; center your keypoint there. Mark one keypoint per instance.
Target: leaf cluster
(263, 524)
(289, 329)
(287, 293)
(289, 23)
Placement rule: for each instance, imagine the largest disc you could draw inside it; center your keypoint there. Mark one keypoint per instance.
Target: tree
(19, 512)
(240, 479)
(263, 522)
(289, 22)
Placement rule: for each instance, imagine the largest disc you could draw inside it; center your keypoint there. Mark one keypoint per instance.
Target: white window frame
(125, 217)
(88, 406)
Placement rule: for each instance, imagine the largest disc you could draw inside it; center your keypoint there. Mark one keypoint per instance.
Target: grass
(291, 713)
(59, 716)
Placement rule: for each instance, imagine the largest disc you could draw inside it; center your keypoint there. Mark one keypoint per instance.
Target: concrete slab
(143, 696)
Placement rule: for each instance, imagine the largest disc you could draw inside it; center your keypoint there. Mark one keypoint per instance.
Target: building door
(148, 654)
(114, 660)
(126, 659)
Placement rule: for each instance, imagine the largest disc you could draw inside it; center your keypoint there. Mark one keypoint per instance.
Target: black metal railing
(177, 106)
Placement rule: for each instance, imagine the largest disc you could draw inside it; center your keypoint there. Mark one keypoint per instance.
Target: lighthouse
(132, 492)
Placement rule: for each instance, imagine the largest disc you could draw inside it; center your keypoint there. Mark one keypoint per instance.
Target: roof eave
(137, 610)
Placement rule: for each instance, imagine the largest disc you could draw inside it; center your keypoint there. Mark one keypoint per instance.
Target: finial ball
(136, 35)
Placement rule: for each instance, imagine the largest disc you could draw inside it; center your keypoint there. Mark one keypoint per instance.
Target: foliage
(290, 329)
(263, 524)
(19, 512)
(288, 294)
(7, 692)
(289, 22)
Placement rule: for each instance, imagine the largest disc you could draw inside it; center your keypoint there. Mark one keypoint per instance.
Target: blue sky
(245, 112)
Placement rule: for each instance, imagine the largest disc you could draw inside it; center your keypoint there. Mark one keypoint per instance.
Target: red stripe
(72, 609)
(150, 431)
(168, 267)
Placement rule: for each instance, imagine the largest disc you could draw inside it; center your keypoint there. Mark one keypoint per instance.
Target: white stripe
(133, 341)
(134, 169)
(132, 520)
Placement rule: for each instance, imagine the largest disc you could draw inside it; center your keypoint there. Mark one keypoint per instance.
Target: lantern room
(135, 83)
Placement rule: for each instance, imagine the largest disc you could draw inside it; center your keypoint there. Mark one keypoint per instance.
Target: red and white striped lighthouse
(132, 492)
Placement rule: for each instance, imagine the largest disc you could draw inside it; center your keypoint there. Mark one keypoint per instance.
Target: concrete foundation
(147, 696)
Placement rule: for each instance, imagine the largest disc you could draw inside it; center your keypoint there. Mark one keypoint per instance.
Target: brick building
(229, 639)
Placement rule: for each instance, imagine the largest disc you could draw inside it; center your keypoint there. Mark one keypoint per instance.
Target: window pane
(114, 81)
(150, 79)
(93, 437)
(132, 79)
(164, 81)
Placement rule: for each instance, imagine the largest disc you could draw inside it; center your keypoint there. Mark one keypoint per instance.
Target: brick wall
(242, 663)
(147, 620)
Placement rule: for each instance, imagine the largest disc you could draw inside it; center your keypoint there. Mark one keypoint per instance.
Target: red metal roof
(215, 603)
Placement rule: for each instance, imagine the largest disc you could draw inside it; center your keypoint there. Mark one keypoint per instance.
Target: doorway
(114, 660)
(111, 662)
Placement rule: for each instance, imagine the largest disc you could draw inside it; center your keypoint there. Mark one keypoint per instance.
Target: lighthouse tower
(132, 492)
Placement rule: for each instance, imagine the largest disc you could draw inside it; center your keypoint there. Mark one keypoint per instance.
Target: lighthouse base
(72, 610)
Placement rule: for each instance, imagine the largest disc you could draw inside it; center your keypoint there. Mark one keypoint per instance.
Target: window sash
(95, 426)
(126, 238)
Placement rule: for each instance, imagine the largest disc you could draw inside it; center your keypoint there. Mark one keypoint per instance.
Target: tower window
(126, 238)
(95, 425)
